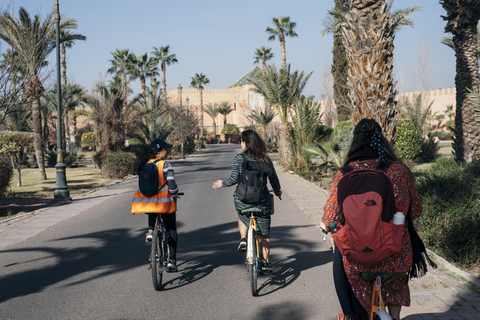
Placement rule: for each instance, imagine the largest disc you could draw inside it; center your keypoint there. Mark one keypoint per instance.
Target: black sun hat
(159, 144)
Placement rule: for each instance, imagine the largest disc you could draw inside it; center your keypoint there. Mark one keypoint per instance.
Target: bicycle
(160, 251)
(254, 255)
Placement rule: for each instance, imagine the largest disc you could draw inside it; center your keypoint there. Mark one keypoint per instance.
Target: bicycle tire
(157, 260)
(252, 261)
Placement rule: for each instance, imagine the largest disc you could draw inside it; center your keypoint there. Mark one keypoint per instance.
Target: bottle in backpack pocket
(333, 228)
(399, 217)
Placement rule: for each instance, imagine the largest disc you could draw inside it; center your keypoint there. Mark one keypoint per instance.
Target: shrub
(443, 166)
(451, 201)
(343, 125)
(200, 143)
(441, 135)
(324, 130)
(6, 173)
(51, 157)
(271, 145)
(89, 140)
(230, 128)
(429, 151)
(118, 165)
(450, 125)
(72, 157)
(408, 144)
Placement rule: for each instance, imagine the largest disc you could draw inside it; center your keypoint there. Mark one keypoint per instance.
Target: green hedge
(230, 128)
(89, 140)
(118, 165)
(6, 174)
(451, 204)
(408, 144)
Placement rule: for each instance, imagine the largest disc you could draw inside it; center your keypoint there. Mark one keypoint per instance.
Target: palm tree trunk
(287, 155)
(64, 66)
(142, 85)
(466, 141)
(37, 137)
(284, 55)
(368, 41)
(164, 81)
(201, 112)
(124, 88)
(264, 67)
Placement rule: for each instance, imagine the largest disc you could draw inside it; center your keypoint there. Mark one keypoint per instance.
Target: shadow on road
(206, 249)
(108, 258)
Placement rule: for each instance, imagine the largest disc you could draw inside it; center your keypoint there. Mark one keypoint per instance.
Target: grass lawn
(79, 180)
(35, 193)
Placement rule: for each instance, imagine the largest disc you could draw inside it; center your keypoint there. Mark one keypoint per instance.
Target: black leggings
(170, 222)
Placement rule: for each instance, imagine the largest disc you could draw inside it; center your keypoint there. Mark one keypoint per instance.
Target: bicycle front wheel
(252, 257)
(157, 260)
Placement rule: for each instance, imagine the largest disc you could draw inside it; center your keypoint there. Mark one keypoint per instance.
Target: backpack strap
(346, 169)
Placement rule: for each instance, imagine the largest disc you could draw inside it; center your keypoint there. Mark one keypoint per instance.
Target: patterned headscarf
(370, 127)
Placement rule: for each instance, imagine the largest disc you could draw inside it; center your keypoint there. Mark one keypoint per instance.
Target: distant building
(239, 95)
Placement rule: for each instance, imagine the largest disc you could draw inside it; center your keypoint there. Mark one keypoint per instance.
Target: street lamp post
(182, 155)
(61, 188)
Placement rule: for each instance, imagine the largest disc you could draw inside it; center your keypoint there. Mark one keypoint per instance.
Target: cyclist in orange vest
(164, 201)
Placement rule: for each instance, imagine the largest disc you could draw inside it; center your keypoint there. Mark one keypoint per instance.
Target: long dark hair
(362, 138)
(255, 146)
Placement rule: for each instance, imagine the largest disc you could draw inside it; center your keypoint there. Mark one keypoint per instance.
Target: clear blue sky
(219, 37)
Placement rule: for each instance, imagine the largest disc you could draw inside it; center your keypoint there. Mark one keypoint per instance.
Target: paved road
(88, 260)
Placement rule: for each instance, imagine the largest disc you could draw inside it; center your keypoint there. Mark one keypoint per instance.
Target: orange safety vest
(162, 202)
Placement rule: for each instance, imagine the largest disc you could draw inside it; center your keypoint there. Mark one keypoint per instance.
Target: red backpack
(367, 204)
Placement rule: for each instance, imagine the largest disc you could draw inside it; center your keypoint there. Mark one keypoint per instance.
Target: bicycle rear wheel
(252, 260)
(157, 260)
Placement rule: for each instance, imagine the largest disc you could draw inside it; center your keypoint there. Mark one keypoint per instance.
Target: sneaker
(266, 267)
(149, 237)
(171, 266)
(242, 247)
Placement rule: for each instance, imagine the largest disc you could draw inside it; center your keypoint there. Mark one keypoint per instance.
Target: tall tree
(224, 109)
(212, 111)
(448, 41)
(282, 88)
(33, 39)
(368, 41)
(462, 18)
(282, 27)
(263, 118)
(121, 62)
(263, 54)
(143, 67)
(332, 25)
(68, 40)
(197, 82)
(165, 58)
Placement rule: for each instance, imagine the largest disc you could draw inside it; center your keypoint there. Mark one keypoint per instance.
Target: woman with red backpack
(370, 150)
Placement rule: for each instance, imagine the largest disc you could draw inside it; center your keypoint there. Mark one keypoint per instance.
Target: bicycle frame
(250, 254)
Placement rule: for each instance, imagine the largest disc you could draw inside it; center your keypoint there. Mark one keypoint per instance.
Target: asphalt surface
(87, 260)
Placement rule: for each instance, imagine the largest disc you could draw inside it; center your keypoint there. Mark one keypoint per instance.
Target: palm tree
(263, 54)
(332, 25)
(121, 62)
(368, 39)
(68, 40)
(212, 111)
(263, 118)
(306, 120)
(33, 40)
(282, 89)
(462, 19)
(162, 55)
(448, 41)
(225, 109)
(143, 67)
(282, 28)
(197, 82)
